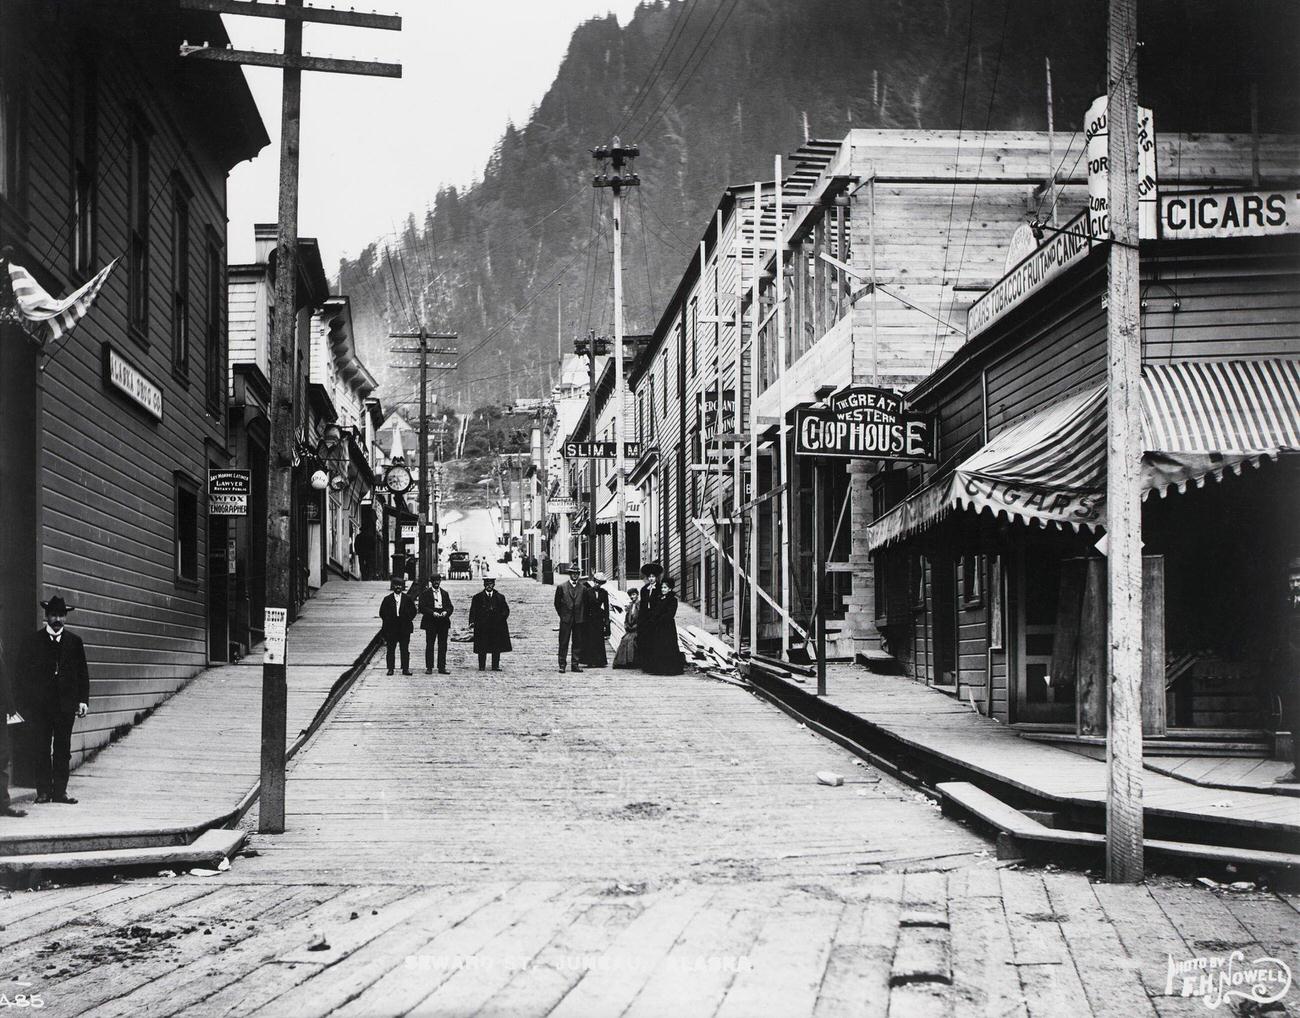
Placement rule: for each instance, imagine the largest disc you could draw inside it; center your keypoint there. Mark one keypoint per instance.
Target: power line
(660, 62)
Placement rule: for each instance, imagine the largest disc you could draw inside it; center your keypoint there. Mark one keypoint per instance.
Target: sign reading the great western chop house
(866, 423)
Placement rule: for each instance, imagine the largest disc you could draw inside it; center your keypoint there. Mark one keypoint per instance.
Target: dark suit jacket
(435, 608)
(571, 601)
(397, 615)
(51, 676)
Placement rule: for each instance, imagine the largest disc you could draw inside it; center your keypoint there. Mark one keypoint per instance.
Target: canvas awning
(1199, 420)
(608, 512)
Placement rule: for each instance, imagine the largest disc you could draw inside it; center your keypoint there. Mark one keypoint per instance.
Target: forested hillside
(710, 90)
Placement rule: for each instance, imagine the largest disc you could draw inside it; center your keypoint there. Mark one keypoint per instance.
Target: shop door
(218, 590)
(1038, 698)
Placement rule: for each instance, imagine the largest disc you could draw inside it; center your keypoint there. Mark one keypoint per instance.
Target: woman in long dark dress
(595, 627)
(656, 643)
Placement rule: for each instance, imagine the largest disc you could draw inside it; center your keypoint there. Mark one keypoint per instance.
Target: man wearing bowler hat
(435, 620)
(52, 690)
(397, 612)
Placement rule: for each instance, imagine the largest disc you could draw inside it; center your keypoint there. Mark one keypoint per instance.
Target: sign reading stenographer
(866, 423)
(600, 450)
(1196, 216)
(228, 492)
(131, 383)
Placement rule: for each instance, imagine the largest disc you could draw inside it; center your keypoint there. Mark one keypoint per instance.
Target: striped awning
(1200, 419)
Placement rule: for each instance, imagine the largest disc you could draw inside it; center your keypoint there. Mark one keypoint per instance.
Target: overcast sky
(375, 149)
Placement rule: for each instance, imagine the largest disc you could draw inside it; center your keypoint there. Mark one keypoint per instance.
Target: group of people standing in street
(650, 629)
(488, 615)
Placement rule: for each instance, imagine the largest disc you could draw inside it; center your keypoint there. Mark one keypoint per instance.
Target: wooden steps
(44, 843)
(1015, 829)
(209, 850)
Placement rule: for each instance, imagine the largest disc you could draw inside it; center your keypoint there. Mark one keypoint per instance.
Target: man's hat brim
(57, 606)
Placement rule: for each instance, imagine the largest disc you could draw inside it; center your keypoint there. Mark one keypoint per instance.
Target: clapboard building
(115, 148)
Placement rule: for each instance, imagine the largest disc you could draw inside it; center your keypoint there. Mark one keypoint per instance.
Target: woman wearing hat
(488, 612)
(595, 622)
(52, 690)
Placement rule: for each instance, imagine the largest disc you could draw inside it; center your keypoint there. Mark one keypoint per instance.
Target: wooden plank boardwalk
(523, 844)
(948, 728)
(197, 755)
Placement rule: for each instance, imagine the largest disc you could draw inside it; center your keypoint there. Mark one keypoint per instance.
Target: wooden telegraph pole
(281, 362)
(617, 156)
(1124, 849)
(423, 350)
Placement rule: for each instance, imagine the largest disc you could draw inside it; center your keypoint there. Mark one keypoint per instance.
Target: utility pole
(428, 521)
(616, 156)
(281, 361)
(1124, 820)
(591, 347)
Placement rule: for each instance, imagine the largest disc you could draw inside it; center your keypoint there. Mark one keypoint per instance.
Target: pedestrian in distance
(7, 724)
(571, 607)
(52, 690)
(397, 613)
(595, 624)
(656, 642)
(435, 619)
(488, 615)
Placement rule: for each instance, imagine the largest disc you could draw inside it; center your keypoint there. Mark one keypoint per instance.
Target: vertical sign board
(861, 422)
(707, 400)
(1096, 136)
(228, 492)
(231, 556)
(275, 626)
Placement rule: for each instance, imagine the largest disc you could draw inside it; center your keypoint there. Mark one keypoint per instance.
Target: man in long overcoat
(595, 624)
(52, 690)
(435, 620)
(571, 607)
(488, 612)
(397, 612)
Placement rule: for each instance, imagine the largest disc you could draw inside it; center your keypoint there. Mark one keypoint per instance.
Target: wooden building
(991, 580)
(114, 147)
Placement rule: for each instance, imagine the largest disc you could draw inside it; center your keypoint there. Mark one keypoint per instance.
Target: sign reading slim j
(866, 423)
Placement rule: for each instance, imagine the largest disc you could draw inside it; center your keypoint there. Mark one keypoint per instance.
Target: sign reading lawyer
(228, 492)
(866, 423)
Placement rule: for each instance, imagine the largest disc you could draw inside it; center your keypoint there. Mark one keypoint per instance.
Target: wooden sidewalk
(197, 755)
(937, 724)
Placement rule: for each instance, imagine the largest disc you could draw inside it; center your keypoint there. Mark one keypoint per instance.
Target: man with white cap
(488, 612)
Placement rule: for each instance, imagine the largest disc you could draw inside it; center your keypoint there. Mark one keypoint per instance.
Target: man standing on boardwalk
(435, 620)
(51, 692)
(570, 606)
(397, 612)
(488, 612)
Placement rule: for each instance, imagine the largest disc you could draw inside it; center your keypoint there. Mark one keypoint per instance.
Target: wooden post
(425, 492)
(753, 418)
(738, 490)
(279, 490)
(717, 420)
(783, 443)
(1124, 820)
(705, 446)
(819, 572)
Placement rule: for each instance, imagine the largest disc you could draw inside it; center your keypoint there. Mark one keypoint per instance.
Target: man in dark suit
(488, 618)
(52, 691)
(435, 620)
(397, 611)
(571, 607)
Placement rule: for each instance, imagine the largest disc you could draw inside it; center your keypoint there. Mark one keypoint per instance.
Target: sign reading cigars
(600, 450)
(228, 492)
(866, 423)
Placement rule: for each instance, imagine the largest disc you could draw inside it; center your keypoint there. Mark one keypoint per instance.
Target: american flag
(46, 318)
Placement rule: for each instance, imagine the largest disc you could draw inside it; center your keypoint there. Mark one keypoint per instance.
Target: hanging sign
(409, 532)
(866, 423)
(274, 627)
(707, 404)
(1096, 137)
(228, 492)
(560, 505)
(600, 450)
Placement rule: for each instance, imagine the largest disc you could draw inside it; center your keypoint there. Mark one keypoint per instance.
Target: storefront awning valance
(608, 512)
(1199, 419)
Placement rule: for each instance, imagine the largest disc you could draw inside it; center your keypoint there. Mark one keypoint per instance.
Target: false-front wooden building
(114, 147)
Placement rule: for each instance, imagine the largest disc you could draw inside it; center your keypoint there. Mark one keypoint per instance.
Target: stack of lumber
(701, 649)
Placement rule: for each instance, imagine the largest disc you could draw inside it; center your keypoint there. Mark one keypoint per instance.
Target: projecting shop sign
(1194, 216)
(600, 450)
(228, 492)
(866, 423)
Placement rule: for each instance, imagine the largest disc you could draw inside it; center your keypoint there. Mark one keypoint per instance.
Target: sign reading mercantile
(228, 492)
(131, 383)
(861, 422)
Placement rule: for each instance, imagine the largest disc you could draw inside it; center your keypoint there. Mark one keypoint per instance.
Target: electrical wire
(660, 62)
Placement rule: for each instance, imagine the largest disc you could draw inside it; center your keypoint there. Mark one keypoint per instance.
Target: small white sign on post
(275, 626)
